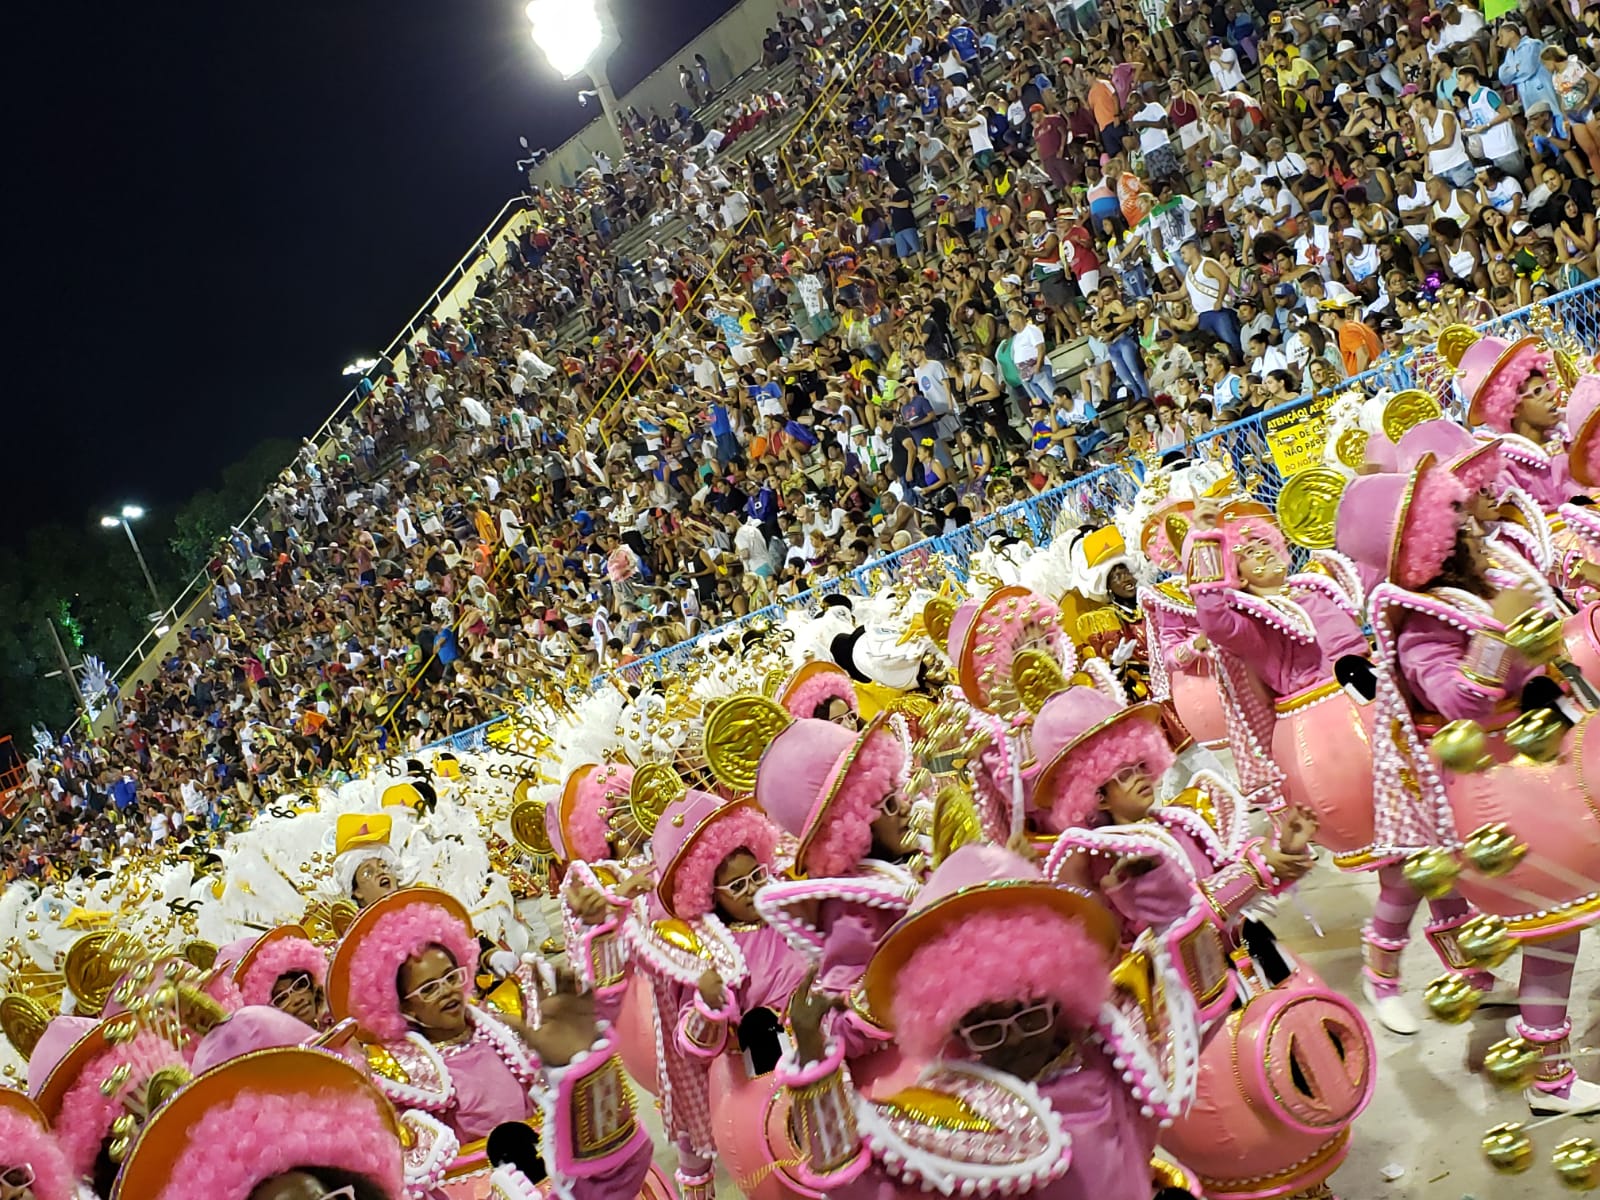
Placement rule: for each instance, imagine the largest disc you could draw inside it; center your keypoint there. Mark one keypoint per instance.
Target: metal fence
(1244, 444)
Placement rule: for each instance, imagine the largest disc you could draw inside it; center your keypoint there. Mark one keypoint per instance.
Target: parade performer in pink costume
(287, 970)
(842, 796)
(404, 973)
(600, 879)
(1183, 874)
(822, 690)
(714, 967)
(1279, 637)
(31, 1164)
(71, 1077)
(1513, 388)
(1001, 982)
(269, 1126)
(1442, 656)
(983, 637)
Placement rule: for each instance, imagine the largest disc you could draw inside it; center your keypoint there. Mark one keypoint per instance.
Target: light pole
(130, 513)
(577, 36)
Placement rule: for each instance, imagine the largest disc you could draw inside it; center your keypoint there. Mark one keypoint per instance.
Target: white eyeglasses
(746, 885)
(15, 1179)
(981, 1036)
(895, 805)
(437, 989)
(347, 1192)
(300, 983)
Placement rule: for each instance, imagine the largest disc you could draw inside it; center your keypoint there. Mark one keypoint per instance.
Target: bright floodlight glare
(163, 630)
(132, 512)
(568, 31)
(359, 367)
(109, 522)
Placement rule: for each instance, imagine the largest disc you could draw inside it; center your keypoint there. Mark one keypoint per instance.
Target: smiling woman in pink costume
(720, 975)
(1443, 655)
(1279, 638)
(1001, 983)
(404, 973)
(32, 1166)
(1513, 389)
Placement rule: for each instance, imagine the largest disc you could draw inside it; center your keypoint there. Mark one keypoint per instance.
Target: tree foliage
(78, 568)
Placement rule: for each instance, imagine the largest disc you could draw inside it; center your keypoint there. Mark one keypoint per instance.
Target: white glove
(503, 963)
(1123, 652)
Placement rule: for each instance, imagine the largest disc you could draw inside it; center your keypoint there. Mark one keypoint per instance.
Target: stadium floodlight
(110, 522)
(568, 32)
(131, 512)
(359, 367)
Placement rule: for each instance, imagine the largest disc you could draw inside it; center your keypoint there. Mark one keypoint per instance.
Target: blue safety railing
(1105, 491)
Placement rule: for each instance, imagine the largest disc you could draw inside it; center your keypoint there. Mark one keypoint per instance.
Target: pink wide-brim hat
(58, 1037)
(1082, 737)
(986, 637)
(1583, 422)
(254, 1027)
(1380, 453)
(825, 785)
(1402, 525)
(692, 837)
(978, 885)
(1480, 366)
(815, 684)
(579, 821)
(1474, 461)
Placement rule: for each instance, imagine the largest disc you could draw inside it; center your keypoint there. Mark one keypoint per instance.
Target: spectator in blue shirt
(1521, 68)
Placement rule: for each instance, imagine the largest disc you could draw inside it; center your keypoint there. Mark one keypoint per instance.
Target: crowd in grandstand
(1014, 242)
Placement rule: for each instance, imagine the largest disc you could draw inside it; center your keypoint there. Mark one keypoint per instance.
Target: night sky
(216, 206)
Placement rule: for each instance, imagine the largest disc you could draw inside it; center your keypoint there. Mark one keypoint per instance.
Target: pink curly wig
(1076, 798)
(374, 996)
(810, 695)
(695, 878)
(844, 835)
(587, 828)
(84, 1122)
(237, 1146)
(280, 957)
(24, 1143)
(1025, 954)
(1432, 521)
(221, 988)
(1497, 402)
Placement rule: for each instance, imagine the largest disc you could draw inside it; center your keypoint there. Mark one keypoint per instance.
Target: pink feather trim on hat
(1497, 402)
(280, 957)
(588, 823)
(84, 1122)
(24, 1143)
(808, 697)
(403, 934)
(1432, 521)
(1024, 955)
(742, 828)
(1133, 742)
(256, 1136)
(844, 837)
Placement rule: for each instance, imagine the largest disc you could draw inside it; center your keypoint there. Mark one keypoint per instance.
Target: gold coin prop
(23, 1019)
(1308, 506)
(655, 786)
(1408, 409)
(737, 734)
(1036, 676)
(528, 828)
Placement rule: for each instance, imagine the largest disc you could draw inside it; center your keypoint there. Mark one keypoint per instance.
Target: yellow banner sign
(1296, 437)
